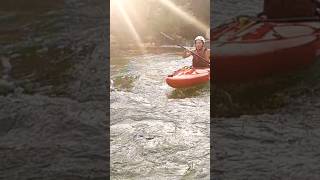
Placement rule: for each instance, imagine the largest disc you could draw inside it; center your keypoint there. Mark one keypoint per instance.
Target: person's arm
(186, 54)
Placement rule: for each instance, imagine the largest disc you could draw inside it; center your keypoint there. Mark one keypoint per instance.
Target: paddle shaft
(203, 59)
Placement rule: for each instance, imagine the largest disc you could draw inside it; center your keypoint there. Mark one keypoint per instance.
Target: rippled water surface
(52, 90)
(157, 132)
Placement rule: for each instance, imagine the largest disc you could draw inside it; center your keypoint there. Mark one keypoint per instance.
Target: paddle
(201, 58)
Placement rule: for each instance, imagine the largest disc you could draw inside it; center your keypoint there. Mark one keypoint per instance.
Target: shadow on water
(122, 75)
(124, 82)
(189, 92)
(36, 73)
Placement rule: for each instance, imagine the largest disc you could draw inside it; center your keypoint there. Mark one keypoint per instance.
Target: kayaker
(200, 50)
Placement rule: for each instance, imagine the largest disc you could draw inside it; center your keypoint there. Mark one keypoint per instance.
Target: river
(53, 107)
(157, 132)
(53, 97)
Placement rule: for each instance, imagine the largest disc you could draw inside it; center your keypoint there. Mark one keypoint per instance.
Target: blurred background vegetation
(150, 17)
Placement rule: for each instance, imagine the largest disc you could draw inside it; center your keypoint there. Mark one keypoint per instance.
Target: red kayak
(188, 77)
(260, 48)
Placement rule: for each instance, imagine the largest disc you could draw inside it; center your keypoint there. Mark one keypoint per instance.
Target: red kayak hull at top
(262, 49)
(184, 78)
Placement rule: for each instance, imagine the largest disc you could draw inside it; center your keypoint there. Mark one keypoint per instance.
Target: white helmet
(200, 38)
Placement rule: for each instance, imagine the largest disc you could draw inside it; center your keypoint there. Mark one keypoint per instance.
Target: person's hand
(187, 50)
(186, 53)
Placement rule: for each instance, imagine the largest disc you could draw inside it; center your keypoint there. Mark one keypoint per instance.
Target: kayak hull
(264, 49)
(184, 78)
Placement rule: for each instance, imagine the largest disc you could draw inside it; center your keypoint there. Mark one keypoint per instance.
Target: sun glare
(134, 15)
(120, 5)
(187, 17)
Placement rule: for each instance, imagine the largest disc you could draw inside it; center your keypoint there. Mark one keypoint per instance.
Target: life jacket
(289, 8)
(198, 62)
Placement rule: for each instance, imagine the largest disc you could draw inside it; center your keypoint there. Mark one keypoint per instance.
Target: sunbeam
(187, 17)
(120, 4)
